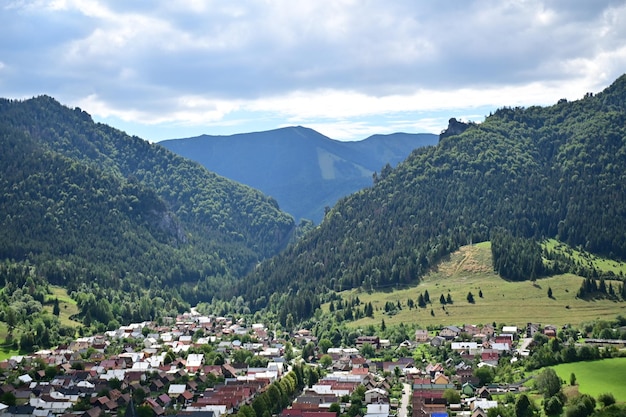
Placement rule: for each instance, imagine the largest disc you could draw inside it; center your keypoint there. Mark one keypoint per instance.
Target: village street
(404, 401)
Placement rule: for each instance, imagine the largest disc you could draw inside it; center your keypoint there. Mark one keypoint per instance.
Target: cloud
(198, 62)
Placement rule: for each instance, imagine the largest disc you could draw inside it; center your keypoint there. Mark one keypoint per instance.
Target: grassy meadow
(67, 306)
(597, 377)
(505, 302)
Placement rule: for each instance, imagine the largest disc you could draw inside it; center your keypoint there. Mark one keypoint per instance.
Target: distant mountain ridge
(302, 169)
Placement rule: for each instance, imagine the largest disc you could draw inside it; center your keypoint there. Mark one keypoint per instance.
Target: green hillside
(507, 302)
(130, 230)
(523, 175)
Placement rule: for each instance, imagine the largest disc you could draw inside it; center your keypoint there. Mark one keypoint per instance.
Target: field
(597, 377)
(504, 302)
(586, 258)
(67, 306)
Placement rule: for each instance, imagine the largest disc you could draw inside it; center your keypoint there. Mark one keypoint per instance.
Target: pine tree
(420, 301)
(426, 297)
(442, 299)
(449, 299)
(470, 297)
(549, 292)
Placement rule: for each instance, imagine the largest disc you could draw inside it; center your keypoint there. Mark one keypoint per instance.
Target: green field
(503, 302)
(586, 258)
(597, 377)
(6, 350)
(67, 306)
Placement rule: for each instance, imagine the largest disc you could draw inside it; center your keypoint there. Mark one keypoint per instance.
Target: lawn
(597, 377)
(504, 302)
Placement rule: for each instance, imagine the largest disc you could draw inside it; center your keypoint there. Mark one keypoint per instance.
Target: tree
(548, 383)
(421, 301)
(324, 344)
(484, 374)
(449, 299)
(581, 406)
(442, 299)
(326, 360)
(606, 399)
(335, 408)
(524, 406)
(367, 350)
(56, 310)
(549, 292)
(308, 351)
(8, 398)
(572, 379)
(383, 326)
(480, 293)
(470, 297)
(452, 396)
(553, 406)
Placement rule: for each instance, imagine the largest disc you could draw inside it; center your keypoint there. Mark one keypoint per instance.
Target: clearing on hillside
(506, 302)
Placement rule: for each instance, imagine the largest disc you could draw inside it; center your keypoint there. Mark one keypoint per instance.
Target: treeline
(522, 176)
(515, 258)
(278, 395)
(598, 288)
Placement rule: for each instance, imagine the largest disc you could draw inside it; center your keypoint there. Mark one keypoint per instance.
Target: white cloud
(198, 62)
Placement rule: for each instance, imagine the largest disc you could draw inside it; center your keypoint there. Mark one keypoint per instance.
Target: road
(404, 402)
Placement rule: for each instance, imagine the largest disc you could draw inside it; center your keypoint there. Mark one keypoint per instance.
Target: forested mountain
(101, 213)
(527, 173)
(302, 169)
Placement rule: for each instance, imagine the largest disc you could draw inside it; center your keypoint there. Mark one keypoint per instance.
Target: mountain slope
(304, 170)
(79, 196)
(538, 172)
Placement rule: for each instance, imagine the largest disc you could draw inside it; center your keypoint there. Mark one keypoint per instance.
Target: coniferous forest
(134, 232)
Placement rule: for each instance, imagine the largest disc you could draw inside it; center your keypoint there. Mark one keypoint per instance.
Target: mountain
(117, 219)
(302, 169)
(523, 175)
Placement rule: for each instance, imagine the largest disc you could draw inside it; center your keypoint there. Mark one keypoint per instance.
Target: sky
(162, 69)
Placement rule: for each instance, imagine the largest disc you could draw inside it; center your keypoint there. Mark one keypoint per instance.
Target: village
(166, 369)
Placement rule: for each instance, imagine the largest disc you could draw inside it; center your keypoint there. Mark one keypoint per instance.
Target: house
(483, 393)
(194, 362)
(377, 410)
(154, 405)
(468, 389)
(437, 341)
(441, 379)
(483, 404)
(176, 390)
(512, 330)
(376, 395)
(531, 329)
(550, 331)
(450, 332)
(488, 330)
(371, 340)
(490, 357)
(421, 336)
(505, 338)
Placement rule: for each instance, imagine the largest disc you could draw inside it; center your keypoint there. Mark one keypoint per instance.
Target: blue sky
(163, 69)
